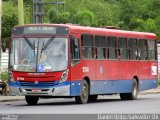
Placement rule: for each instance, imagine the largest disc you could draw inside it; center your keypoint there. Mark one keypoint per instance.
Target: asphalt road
(149, 103)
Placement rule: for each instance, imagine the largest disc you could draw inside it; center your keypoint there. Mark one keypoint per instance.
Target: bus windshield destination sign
(40, 30)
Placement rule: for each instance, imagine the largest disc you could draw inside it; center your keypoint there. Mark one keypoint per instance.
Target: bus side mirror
(5, 44)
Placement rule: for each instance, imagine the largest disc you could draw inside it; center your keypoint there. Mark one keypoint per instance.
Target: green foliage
(146, 25)
(9, 18)
(101, 11)
(127, 14)
(4, 76)
(60, 18)
(53, 18)
(64, 17)
(27, 13)
(138, 15)
(85, 18)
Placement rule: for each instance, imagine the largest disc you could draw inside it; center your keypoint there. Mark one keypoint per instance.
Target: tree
(53, 17)
(154, 10)
(103, 12)
(127, 14)
(9, 18)
(141, 15)
(146, 25)
(85, 18)
(60, 18)
(64, 17)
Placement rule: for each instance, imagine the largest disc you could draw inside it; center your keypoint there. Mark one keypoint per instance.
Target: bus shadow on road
(67, 102)
(56, 102)
(72, 101)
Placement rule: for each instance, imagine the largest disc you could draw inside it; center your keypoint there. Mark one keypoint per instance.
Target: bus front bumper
(62, 89)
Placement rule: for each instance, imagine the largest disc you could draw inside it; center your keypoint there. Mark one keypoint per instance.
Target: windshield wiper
(45, 45)
(29, 43)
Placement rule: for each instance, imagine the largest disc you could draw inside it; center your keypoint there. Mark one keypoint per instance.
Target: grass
(4, 76)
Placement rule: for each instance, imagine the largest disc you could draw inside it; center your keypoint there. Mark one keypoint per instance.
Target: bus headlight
(10, 76)
(64, 76)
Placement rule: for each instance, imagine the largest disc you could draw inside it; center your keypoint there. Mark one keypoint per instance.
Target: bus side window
(87, 46)
(75, 51)
(100, 47)
(111, 48)
(152, 50)
(133, 52)
(122, 48)
(142, 46)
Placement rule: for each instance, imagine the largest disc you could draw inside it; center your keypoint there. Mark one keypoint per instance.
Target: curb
(11, 98)
(145, 93)
(152, 91)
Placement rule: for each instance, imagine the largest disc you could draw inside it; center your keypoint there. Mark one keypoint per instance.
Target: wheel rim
(84, 91)
(135, 90)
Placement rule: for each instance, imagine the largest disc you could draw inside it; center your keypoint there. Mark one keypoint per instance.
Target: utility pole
(20, 12)
(56, 7)
(0, 34)
(39, 12)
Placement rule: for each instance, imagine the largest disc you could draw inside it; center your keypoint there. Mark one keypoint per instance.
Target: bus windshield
(39, 54)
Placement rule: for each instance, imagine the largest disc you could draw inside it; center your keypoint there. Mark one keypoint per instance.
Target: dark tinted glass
(111, 42)
(100, 41)
(87, 40)
(132, 43)
(122, 42)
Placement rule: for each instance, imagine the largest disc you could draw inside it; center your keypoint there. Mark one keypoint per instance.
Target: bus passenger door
(75, 67)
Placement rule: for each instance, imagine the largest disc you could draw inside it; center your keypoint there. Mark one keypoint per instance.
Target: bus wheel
(84, 93)
(133, 94)
(32, 100)
(92, 98)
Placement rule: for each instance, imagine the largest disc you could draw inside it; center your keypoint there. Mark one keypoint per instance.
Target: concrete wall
(4, 60)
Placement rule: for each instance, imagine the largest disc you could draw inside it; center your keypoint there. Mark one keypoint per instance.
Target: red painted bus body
(103, 76)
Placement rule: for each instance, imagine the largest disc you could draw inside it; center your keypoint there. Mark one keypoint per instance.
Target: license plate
(36, 90)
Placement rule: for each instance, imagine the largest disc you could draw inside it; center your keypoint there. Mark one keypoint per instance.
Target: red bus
(65, 60)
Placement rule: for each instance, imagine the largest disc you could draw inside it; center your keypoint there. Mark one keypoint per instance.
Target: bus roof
(101, 31)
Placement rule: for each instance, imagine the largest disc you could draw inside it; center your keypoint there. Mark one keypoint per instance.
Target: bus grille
(37, 83)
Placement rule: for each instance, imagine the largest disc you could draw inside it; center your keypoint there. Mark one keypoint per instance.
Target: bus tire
(123, 96)
(92, 98)
(32, 100)
(133, 94)
(84, 93)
